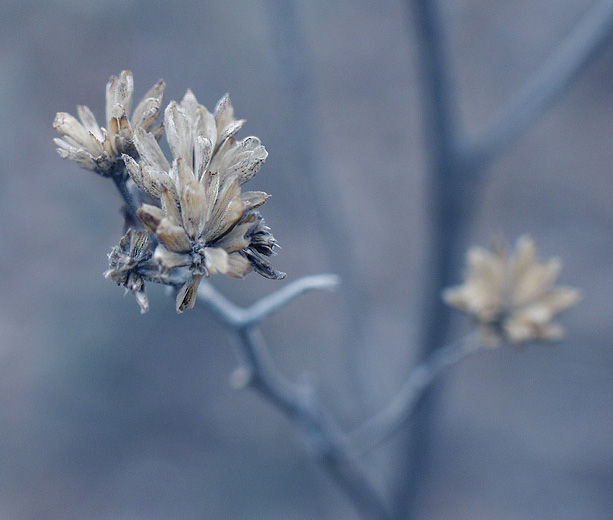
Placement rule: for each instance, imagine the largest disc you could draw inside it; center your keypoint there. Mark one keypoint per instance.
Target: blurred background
(107, 414)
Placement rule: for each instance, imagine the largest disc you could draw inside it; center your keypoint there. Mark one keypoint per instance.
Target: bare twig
(299, 402)
(240, 318)
(379, 427)
(591, 34)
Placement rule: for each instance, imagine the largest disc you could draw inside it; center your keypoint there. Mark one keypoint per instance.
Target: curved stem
(379, 427)
(131, 204)
(299, 403)
(241, 318)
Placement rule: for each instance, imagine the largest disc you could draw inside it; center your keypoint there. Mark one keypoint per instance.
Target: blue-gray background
(107, 414)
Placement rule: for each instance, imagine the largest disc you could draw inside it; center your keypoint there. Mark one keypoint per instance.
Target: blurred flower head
(204, 222)
(512, 297)
(100, 148)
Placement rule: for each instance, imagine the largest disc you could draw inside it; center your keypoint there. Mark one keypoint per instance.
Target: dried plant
(199, 222)
(187, 218)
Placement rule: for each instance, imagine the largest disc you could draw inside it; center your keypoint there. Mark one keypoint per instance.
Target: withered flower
(205, 223)
(512, 297)
(128, 265)
(98, 148)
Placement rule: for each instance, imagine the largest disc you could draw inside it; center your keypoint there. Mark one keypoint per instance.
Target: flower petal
(119, 92)
(150, 216)
(179, 133)
(216, 260)
(147, 111)
(173, 237)
(224, 114)
(149, 150)
(89, 122)
(186, 298)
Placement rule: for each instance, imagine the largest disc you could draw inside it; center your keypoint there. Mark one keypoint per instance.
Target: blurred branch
(379, 427)
(294, 70)
(591, 34)
(298, 402)
(450, 202)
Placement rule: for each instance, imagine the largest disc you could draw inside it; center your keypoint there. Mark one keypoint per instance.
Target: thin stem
(298, 402)
(379, 427)
(450, 202)
(131, 203)
(591, 34)
(240, 318)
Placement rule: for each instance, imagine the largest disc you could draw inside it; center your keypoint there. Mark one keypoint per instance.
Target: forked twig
(299, 403)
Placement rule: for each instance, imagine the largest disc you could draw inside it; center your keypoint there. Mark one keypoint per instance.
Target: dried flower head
(98, 148)
(513, 298)
(204, 223)
(128, 265)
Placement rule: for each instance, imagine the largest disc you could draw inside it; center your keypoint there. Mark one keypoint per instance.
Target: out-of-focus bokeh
(107, 414)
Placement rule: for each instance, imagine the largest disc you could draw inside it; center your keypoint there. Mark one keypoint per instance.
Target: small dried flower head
(513, 298)
(205, 222)
(100, 148)
(126, 264)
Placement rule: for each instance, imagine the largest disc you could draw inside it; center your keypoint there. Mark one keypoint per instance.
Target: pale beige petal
(150, 216)
(169, 205)
(235, 240)
(147, 111)
(169, 259)
(179, 133)
(518, 330)
(216, 260)
(81, 157)
(254, 199)
(523, 259)
(488, 268)
(158, 180)
(192, 198)
(186, 298)
(238, 266)
(134, 171)
(243, 159)
(230, 130)
(203, 150)
(537, 279)
(210, 182)
(561, 298)
(224, 114)
(89, 122)
(190, 104)
(119, 91)
(148, 179)
(227, 211)
(173, 237)
(70, 127)
(149, 149)
(205, 125)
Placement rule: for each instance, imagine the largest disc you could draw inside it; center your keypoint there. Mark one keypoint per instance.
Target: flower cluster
(98, 148)
(198, 222)
(512, 297)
